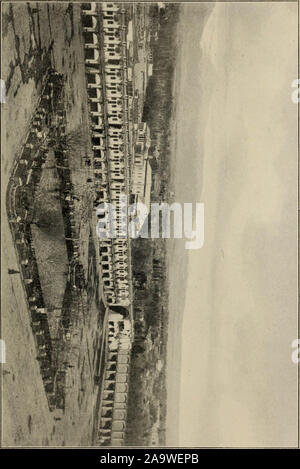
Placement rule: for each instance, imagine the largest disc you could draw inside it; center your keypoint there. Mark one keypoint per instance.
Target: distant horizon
(216, 113)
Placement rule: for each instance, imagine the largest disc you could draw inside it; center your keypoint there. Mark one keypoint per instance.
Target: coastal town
(59, 181)
(148, 228)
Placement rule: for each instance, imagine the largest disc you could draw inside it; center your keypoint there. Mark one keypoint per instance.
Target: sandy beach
(231, 380)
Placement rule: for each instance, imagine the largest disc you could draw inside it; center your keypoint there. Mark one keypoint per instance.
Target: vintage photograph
(149, 213)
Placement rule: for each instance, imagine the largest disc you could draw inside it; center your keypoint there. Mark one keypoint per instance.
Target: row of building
(113, 411)
(21, 190)
(104, 32)
(121, 169)
(106, 73)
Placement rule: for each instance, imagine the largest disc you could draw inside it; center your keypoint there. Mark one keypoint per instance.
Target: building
(106, 72)
(139, 169)
(113, 411)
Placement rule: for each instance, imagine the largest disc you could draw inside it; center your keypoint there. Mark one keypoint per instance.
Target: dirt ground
(35, 36)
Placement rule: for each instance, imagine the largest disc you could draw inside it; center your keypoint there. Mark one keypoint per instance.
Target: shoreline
(184, 181)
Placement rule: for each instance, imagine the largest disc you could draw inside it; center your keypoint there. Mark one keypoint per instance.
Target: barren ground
(34, 36)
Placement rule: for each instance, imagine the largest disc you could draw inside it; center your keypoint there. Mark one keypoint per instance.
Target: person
(13, 271)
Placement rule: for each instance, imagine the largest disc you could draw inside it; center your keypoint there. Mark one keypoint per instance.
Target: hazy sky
(238, 383)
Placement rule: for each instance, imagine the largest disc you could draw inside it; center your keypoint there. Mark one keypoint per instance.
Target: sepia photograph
(149, 226)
